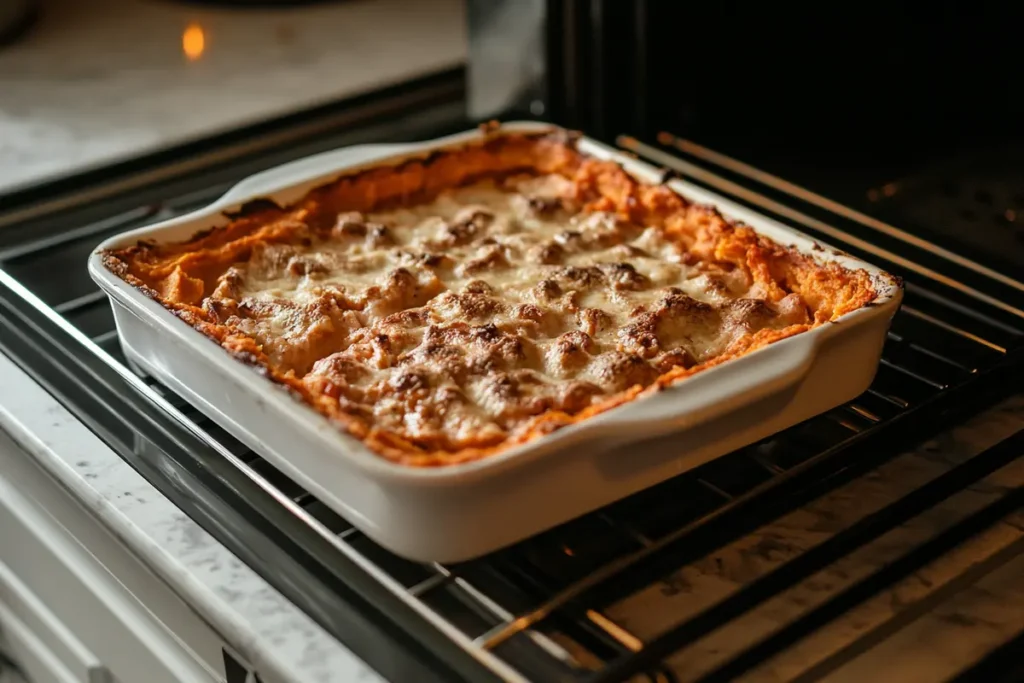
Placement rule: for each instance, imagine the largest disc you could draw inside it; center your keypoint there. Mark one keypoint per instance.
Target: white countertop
(274, 635)
(104, 80)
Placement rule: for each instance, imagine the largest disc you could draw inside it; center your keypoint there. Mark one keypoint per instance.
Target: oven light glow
(193, 42)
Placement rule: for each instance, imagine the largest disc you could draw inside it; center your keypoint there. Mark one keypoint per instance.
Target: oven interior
(875, 106)
(575, 603)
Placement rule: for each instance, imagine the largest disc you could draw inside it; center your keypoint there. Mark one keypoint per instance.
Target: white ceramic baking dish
(463, 511)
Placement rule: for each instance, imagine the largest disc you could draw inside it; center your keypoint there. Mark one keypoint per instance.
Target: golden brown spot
(593, 321)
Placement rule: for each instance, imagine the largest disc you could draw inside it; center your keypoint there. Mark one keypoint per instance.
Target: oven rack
(537, 611)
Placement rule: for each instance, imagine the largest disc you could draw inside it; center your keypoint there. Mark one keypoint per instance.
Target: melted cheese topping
(457, 321)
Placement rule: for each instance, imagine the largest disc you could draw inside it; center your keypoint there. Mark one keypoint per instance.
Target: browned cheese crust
(449, 307)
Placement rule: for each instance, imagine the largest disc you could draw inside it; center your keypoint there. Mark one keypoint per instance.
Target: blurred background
(84, 84)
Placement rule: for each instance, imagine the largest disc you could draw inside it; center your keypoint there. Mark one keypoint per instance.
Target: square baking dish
(461, 511)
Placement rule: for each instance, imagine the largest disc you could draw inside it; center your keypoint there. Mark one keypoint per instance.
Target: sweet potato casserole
(445, 308)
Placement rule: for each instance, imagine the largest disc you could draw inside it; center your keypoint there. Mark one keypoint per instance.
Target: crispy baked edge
(602, 185)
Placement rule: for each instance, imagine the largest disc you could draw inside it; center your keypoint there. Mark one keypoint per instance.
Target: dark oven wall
(842, 98)
(865, 86)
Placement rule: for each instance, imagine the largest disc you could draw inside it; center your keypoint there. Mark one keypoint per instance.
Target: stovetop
(801, 557)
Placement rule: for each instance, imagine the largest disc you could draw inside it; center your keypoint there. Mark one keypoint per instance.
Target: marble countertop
(99, 81)
(257, 621)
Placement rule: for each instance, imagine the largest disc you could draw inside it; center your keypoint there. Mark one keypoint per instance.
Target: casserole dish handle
(759, 375)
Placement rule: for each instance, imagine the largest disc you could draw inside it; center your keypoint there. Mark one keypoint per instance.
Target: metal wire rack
(539, 610)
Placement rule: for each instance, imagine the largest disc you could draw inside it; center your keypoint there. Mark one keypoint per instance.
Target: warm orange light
(193, 42)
